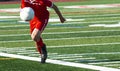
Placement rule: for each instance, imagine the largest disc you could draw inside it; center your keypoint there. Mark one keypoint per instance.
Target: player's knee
(35, 38)
(35, 35)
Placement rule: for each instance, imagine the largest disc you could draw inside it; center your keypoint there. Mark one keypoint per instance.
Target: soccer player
(39, 22)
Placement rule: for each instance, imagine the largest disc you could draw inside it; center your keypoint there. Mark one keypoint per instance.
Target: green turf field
(76, 41)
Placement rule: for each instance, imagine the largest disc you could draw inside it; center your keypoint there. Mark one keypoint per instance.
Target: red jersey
(39, 6)
(41, 17)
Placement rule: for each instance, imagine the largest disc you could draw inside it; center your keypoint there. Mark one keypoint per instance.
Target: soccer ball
(26, 14)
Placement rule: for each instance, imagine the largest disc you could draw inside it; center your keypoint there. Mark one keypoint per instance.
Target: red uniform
(41, 17)
(41, 14)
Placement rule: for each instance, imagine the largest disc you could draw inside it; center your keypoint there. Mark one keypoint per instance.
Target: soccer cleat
(43, 54)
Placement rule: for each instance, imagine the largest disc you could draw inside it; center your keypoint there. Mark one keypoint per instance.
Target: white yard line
(93, 6)
(60, 38)
(105, 25)
(93, 16)
(112, 65)
(82, 54)
(80, 45)
(80, 65)
(14, 35)
(10, 26)
(16, 41)
(116, 62)
(82, 37)
(50, 33)
(3, 17)
(58, 20)
(10, 10)
(80, 32)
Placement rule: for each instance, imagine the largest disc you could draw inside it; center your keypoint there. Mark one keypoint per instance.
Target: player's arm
(62, 19)
(52, 5)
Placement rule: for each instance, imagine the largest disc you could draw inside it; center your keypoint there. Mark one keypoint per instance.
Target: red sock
(39, 45)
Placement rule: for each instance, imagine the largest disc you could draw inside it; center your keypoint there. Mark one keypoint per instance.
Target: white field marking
(98, 53)
(97, 25)
(62, 32)
(16, 41)
(2, 17)
(74, 59)
(53, 55)
(15, 48)
(31, 53)
(112, 65)
(94, 6)
(98, 18)
(15, 35)
(63, 58)
(12, 49)
(82, 37)
(24, 53)
(60, 38)
(79, 32)
(81, 45)
(16, 30)
(58, 20)
(102, 21)
(60, 28)
(66, 23)
(106, 62)
(105, 25)
(24, 49)
(66, 57)
(86, 22)
(80, 65)
(93, 16)
(10, 10)
(13, 26)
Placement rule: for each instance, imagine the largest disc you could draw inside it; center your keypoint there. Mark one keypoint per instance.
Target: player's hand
(62, 19)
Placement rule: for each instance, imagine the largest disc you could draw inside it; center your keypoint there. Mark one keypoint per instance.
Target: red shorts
(38, 24)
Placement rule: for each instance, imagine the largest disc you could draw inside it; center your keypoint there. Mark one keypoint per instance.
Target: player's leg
(36, 36)
(42, 50)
